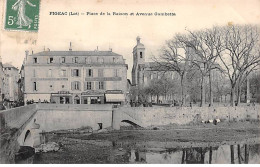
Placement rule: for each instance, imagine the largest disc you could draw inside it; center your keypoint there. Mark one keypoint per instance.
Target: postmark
(22, 15)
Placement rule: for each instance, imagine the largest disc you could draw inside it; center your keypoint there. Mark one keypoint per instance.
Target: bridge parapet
(17, 117)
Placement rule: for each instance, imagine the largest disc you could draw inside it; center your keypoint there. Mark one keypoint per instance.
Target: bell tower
(138, 52)
(138, 58)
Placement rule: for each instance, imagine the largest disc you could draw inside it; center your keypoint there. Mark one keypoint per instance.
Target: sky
(120, 32)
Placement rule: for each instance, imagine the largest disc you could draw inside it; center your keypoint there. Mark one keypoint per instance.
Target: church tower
(138, 59)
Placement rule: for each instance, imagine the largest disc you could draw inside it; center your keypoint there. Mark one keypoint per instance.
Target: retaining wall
(177, 115)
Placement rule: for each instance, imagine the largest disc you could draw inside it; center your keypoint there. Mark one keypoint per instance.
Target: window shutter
(72, 85)
(96, 85)
(104, 85)
(79, 72)
(92, 72)
(85, 86)
(72, 74)
(78, 85)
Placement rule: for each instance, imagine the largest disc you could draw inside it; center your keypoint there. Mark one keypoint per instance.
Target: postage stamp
(22, 15)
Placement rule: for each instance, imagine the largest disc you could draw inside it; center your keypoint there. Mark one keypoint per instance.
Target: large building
(75, 77)
(10, 84)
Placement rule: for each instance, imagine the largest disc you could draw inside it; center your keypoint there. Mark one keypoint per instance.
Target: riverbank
(112, 146)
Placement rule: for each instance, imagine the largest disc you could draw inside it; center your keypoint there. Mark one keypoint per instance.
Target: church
(143, 73)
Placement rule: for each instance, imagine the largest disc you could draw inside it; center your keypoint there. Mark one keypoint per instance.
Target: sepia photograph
(130, 82)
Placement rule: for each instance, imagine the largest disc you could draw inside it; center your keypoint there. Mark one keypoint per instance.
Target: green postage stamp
(22, 15)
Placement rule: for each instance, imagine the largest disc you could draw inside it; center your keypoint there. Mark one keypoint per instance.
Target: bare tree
(173, 58)
(219, 85)
(241, 53)
(205, 46)
(255, 86)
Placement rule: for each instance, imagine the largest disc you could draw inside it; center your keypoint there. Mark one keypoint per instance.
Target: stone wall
(177, 115)
(67, 116)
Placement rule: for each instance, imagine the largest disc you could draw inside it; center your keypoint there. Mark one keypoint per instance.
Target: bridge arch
(28, 139)
(131, 123)
(30, 136)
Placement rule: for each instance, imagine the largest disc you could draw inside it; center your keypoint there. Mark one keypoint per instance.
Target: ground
(111, 147)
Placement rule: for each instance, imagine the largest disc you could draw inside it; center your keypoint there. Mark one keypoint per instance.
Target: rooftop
(9, 65)
(76, 53)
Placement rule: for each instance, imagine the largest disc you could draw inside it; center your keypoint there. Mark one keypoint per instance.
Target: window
(101, 85)
(101, 60)
(90, 73)
(50, 73)
(51, 87)
(63, 73)
(76, 85)
(115, 60)
(35, 60)
(88, 60)
(100, 72)
(62, 86)
(34, 86)
(151, 75)
(75, 73)
(89, 85)
(141, 54)
(75, 59)
(50, 60)
(63, 60)
(116, 72)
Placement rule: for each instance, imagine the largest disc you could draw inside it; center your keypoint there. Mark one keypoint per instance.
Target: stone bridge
(23, 126)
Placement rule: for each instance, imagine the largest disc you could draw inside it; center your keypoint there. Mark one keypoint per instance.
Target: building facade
(10, 84)
(75, 77)
(1, 82)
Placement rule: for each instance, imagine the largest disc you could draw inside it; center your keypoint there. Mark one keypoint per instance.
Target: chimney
(70, 49)
(32, 52)
(110, 49)
(138, 40)
(48, 49)
(97, 48)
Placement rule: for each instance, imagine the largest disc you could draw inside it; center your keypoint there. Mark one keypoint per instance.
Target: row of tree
(233, 51)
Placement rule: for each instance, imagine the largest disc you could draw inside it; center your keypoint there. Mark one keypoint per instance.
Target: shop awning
(115, 97)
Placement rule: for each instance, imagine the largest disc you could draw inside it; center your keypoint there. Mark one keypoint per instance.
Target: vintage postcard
(129, 82)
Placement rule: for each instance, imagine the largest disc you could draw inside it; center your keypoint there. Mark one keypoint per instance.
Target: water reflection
(225, 154)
